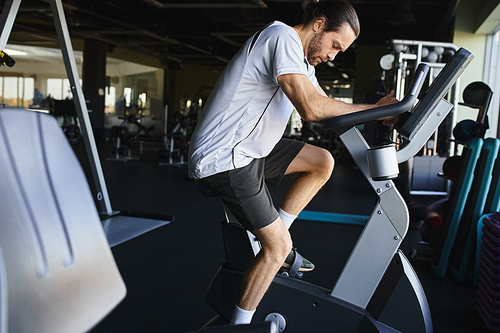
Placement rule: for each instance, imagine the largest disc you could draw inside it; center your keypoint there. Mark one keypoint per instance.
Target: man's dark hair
(335, 12)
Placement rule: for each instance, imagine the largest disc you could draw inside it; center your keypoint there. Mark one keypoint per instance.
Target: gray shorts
(244, 190)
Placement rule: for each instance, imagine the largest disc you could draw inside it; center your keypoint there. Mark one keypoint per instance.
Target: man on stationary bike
(237, 146)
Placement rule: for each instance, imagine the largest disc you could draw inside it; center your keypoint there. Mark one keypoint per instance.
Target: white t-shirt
(247, 112)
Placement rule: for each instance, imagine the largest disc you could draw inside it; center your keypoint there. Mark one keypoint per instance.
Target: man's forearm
(313, 104)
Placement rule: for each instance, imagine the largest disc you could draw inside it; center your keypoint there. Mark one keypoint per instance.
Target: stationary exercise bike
(376, 266)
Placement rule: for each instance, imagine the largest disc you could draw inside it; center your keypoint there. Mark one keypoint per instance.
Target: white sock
(286, 218)
(241, 317)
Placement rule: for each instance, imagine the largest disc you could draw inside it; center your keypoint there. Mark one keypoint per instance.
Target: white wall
(471, 34)
(45, 63)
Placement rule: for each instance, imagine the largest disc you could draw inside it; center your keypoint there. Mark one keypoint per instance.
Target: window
(127, 94)
(109, 100)
(492, 78)
(17, 91)
(59, 89)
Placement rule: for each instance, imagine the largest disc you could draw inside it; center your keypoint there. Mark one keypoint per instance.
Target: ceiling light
(15, 52)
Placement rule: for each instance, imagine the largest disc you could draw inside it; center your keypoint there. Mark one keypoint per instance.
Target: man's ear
(319, 24)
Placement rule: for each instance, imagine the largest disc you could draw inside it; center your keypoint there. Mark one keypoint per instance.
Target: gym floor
(168, 269)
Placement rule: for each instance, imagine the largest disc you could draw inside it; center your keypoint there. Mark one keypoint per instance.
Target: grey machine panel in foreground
(57, 273)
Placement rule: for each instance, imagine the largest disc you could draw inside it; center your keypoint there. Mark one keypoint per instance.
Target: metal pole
(9, 13)
(102, 198)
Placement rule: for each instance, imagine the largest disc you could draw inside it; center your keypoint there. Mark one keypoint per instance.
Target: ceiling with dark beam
(209, 32)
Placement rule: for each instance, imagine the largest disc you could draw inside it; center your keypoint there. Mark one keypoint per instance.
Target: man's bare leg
(276, 244)
(315, 166)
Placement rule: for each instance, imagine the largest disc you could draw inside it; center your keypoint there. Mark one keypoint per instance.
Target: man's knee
(276, 241)
(285, 246)
(280, 248)
(324, 163)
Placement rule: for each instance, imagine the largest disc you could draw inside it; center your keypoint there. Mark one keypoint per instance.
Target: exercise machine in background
(177, 133)
(176, 142)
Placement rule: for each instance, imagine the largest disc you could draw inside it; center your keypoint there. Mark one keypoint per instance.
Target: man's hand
(386, 100)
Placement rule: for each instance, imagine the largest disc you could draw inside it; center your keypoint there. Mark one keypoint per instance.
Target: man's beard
(314, 47)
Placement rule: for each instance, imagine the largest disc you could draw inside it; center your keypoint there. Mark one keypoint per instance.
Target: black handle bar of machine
(346, 121)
